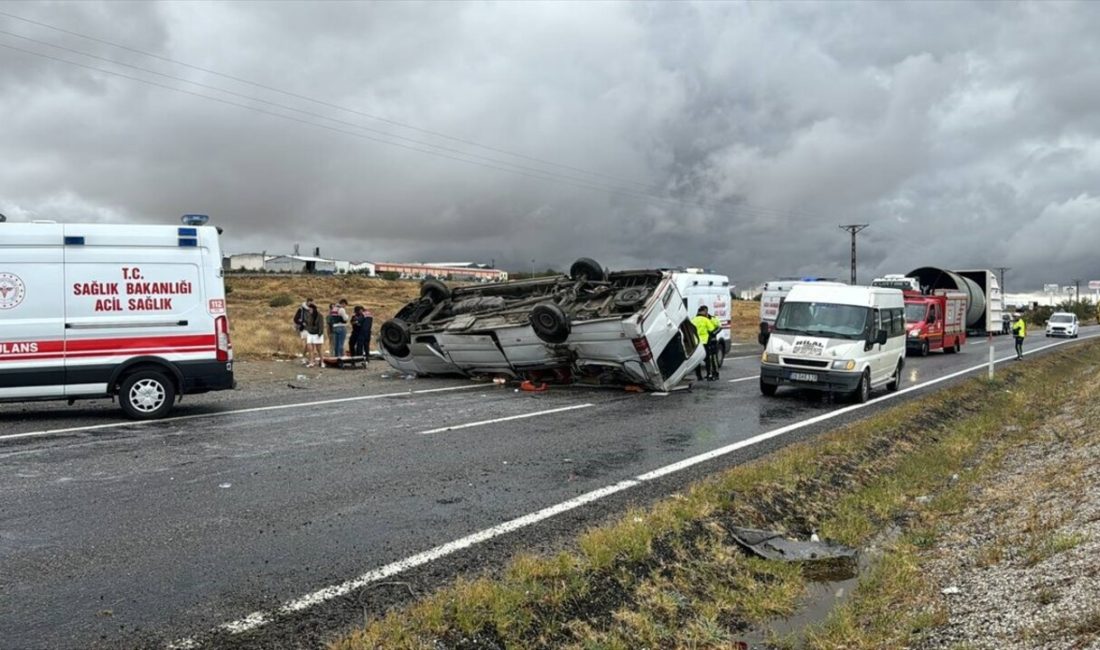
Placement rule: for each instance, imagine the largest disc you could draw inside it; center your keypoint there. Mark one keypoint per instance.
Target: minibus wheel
(586, 268)
(146, 395)
(863, 391)
(395, 337)
(550, 322)
(895, 383)
(767, 390)
(434, 290)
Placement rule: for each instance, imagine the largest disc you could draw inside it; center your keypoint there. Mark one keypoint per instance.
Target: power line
(327, 104)
(449, 153)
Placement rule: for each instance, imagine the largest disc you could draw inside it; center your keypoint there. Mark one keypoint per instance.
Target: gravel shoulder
(1019, 566)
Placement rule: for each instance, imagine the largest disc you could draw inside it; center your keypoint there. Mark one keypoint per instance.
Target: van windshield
(823, 319)
(1061, 318)
(915, 313)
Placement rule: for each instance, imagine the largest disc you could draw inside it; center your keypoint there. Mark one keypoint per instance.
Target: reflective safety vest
(703, 327)
(1019, 328)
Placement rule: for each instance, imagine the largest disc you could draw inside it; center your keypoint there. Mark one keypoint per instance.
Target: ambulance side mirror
(764, 335)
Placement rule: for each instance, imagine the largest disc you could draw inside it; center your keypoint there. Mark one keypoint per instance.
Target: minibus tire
(862, 392)
(895, 383)
(550, 322)
(434, 290)
(767, 390)
(630, 298)
(587, 268)
(146, 395)
(395, 337)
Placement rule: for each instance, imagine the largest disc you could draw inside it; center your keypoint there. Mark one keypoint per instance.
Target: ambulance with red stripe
(96, 310)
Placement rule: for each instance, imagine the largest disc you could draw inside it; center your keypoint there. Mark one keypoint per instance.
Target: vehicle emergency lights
(195, 219)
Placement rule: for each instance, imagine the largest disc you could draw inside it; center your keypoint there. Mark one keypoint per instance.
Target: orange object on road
(534, 388)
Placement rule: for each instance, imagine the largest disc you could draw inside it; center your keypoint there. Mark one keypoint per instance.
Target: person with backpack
(338, 325)
(300, 327)
(361, 323)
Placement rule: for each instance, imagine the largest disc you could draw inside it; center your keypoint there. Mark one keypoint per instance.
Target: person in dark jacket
(361, 323)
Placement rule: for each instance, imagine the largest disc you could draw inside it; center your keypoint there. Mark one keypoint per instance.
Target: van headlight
(844, 364)
(769, 357)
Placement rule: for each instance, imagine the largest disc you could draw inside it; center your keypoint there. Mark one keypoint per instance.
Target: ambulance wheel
(395, 337)
(895, 383)
(862, 392)
(146, 395)
(767, 390)
(924, 349)
(434, 290)
(587, 269)
(550, 322)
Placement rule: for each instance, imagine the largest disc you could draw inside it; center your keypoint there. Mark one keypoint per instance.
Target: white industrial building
(299, 264)
(246, 262)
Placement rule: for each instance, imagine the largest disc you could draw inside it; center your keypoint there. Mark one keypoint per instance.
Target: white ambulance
(702, 288)
(96, 310)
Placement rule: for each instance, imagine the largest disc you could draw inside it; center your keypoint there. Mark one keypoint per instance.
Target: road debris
(771, 545)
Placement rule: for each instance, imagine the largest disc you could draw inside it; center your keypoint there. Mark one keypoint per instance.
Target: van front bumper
(833, 381)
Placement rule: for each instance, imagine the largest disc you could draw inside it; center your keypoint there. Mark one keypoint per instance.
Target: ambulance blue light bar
(195, 219)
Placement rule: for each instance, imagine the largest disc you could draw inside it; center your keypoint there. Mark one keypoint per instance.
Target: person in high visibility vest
(1019, 331)
(704, 326)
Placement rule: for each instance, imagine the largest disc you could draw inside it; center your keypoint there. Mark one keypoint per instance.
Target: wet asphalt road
(123, 535)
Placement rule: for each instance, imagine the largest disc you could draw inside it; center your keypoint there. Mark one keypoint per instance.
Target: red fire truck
(935, 321)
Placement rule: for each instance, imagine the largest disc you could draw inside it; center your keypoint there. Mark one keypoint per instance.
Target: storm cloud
(732, 136)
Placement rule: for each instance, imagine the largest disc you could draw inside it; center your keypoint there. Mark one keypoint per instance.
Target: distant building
(366, 268)
(299, 264)
(246, 262)
(462, 271)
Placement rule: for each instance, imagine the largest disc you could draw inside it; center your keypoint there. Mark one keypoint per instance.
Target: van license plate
(803, 376)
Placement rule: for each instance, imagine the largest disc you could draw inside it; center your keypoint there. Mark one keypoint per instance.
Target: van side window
(898, 322)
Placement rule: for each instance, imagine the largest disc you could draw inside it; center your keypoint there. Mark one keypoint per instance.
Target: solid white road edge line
(258, 619)
(505, 419)
(257, 409)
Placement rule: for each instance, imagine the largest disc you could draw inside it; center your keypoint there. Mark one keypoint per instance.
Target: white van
(838, 339)
(712, 290)
(95, 310)
(775, 292)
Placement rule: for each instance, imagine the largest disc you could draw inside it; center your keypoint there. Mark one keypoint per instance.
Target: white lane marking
(734, 381)
(257, 409)
(522, 416)
(257, 619)
(747, 356)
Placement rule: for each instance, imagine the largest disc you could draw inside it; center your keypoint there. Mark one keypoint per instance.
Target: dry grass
(260, 331)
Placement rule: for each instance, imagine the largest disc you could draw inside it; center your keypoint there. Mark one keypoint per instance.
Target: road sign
(1050, 288)
(1094, 285)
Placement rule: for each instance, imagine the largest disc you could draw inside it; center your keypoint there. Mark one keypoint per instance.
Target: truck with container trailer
(985, 304)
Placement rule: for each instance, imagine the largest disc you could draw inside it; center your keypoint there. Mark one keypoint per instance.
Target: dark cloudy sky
(729, 135)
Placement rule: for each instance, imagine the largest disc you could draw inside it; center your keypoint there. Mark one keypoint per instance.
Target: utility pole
(1077, 288)
(854, 228)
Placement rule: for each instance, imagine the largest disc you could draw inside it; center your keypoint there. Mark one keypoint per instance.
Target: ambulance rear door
(32, 311)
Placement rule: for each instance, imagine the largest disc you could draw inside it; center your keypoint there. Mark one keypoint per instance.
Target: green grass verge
(671, 576)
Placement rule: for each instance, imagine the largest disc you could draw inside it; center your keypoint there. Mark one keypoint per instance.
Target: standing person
(300, 326)
(713, 341)
(338, 323)
(703, 327)
(315, 334)
(1019, 331)
(357, 331)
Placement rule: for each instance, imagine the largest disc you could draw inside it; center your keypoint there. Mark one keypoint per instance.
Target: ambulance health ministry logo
(12, 290)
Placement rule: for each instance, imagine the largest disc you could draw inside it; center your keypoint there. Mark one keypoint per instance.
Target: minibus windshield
(823, 319)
